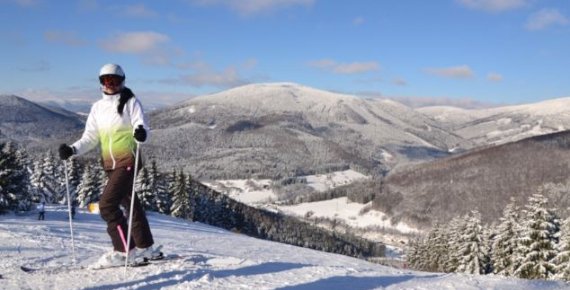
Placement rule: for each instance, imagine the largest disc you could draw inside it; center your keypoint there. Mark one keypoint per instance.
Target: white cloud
(140, 11)
(249, 63)
(250, 7)
(358, 21)
(64, 37)
(456, 72)
(227, 78)
(400, 82)
(345, 68)
(494, 5)
(153, 48)
(135, 42)
(545, 18)
(204, 75)
(494, 77)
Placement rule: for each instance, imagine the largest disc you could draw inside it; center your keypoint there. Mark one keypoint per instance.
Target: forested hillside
(483, 180)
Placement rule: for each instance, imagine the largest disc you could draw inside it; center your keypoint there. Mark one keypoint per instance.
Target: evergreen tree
(37, 181)
(505, 243)
(53, 179)
(89, 188)
(21, 179)
(438, 249)
(74, 176)
(488, 236)
(413, 253)
(163, 188)
(473, 249)
(144, 190)
(181, 202)
(456, 227)
(46, 180)
(539, 240)
(562, 259)
(14, 181)
(101, 175)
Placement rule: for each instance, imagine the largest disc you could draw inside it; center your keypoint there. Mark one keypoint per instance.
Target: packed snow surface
(210, 258)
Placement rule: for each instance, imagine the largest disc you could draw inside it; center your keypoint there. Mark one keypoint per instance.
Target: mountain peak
(12, 100)
(277, 97)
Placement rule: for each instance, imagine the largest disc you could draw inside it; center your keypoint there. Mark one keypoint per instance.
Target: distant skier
(117, 122)
(42, 211)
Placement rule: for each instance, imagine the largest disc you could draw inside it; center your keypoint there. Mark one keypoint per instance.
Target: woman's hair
(126, 95)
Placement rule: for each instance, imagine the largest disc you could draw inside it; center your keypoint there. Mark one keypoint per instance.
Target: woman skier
(117, 122)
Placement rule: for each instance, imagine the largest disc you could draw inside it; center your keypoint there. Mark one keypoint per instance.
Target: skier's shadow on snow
(177, 277)
(353, 283)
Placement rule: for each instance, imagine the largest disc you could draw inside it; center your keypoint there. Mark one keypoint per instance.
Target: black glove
(140, 134)
(65, 151)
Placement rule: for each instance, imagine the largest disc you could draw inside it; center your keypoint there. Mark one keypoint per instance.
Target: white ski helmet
(111, 69)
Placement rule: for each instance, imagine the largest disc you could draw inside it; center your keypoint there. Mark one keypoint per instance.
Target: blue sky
(458, 52)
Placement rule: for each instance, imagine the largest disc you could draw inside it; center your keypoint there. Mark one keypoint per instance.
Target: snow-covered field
(259, 193)
(211, 258)
(341, 209)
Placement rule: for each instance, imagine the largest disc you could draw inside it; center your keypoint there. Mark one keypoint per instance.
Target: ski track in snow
(210, 258)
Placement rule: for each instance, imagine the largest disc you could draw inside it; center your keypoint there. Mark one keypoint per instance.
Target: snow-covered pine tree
(54, 178)
(74, 175)
(21, 183)
(562, 259)
(488, 236)
(97, 169)
(539, 239)
(473, 248)
(438, 251)
(413, 253)
(162, 188)
(14, 180)
(88, 190)
(505, 243)
(181, 201)
(37, 180)
(74, 169)
(144, 190)
(455, 227)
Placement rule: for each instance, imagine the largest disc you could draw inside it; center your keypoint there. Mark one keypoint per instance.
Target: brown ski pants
(117, 193)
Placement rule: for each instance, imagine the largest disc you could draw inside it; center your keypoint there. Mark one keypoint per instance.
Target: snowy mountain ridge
(504, 124)
(308, 130)
(27, 121)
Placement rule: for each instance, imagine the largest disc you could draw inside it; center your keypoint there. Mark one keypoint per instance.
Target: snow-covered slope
(211, 259)
(504, 124)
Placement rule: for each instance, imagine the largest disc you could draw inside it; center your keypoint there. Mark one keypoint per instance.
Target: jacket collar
(110, 97)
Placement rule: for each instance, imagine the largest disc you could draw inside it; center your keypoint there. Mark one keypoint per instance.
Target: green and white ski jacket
(113, 131)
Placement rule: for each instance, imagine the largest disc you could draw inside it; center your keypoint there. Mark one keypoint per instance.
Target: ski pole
(131, 208)
(69, 211)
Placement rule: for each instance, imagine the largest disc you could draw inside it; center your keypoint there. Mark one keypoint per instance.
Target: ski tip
(27, 269)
